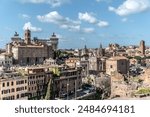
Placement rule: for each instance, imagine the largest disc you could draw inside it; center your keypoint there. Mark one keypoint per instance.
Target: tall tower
(101, 51)
(54, 42)
(142, 47)
(84, 51)
(27, 36)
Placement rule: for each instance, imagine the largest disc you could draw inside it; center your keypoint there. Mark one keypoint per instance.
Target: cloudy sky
(77, 22)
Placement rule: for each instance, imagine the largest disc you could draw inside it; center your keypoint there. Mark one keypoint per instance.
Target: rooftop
(9, 75)
(117, 58)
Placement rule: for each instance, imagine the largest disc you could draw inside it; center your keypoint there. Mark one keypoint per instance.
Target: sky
(77, 22)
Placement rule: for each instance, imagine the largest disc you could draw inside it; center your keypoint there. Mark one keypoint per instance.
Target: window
(12, 83)
(28, 59)
(12, 97)
(22, 82)
(22, 95)
(7, 84)
(17, 96)
(4, 98)
(111, 66)
(12, 90)
(3, 84)
(18, 89)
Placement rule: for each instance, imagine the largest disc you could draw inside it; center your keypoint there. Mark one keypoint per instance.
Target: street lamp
(67, 87)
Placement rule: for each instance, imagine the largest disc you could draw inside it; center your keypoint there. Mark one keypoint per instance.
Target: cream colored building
(118, 64)
(29, 52)
(50, 62)
(38, 78)
(72, 62)
(13, 86)
(6, 59)
(68, 81)
(95, 65)
(85, 67)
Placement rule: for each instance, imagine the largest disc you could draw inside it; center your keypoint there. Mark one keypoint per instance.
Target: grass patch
(143, 91)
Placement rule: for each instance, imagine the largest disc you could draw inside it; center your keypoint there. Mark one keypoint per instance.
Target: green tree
(56, 71)
(130, 57)
(137, 57)
(57, 54)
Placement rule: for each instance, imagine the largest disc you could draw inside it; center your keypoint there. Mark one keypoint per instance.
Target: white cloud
(88, 30)
(124, 19)
(62, 22)
(87, 17)
(52, 17)
(71, 27)
(67, 23)
(24, 16)
(29, 26)
(131, 7)
(62, 38)
(103, 23)
(53, 3)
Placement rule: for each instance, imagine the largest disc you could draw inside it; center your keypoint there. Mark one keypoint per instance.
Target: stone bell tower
(27, 36)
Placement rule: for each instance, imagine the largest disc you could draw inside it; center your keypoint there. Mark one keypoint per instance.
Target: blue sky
(77, 22)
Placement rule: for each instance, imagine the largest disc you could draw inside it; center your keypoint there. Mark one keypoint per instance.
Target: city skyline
(77, 22)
